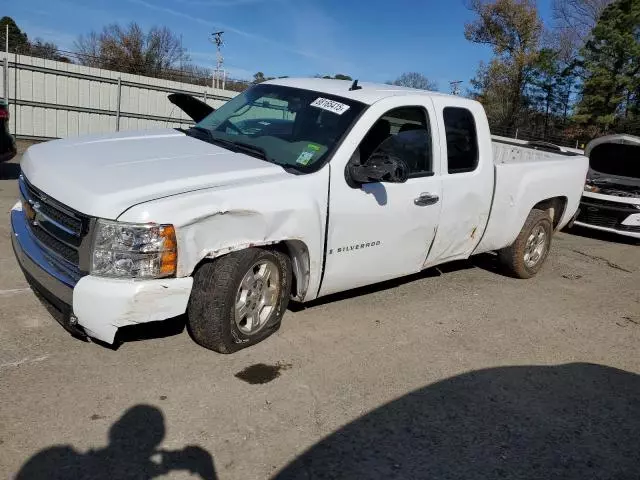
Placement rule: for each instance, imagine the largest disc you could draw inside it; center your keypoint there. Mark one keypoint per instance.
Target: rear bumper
(98, 306)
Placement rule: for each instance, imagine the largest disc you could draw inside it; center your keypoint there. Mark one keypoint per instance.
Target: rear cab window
(462, 140)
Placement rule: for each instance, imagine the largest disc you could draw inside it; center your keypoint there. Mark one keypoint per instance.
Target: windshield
(616, 159)
(288, 126)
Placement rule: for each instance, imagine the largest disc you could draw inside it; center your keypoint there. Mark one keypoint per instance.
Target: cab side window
(462, 140)
(403, 133)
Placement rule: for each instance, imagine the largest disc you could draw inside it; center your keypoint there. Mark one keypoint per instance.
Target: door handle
(426, 199)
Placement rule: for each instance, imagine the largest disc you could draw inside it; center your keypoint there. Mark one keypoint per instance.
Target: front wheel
(525, 257)
(238, 300)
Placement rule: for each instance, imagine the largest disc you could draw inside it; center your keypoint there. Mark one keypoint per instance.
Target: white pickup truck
(296, 188)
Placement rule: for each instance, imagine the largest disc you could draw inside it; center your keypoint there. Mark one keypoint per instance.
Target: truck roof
(369, 93)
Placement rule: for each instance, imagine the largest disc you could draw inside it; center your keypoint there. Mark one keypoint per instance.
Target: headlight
(133, 250)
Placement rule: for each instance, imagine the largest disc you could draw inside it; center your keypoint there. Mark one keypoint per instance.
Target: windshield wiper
(236, 146)
(261, 153)
(253, 150)
(229, 145)
(198, 129)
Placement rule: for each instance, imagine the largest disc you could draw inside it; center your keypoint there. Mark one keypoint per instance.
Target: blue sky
(373, 40)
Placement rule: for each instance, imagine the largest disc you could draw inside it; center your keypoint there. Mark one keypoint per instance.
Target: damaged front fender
(214, 222)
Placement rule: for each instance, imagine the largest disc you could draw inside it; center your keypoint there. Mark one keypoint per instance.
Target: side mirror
(379, 167)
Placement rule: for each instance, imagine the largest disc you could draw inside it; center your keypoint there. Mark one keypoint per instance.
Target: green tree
(18, 41)
(611, 67)
(512, 28)
(550, 86)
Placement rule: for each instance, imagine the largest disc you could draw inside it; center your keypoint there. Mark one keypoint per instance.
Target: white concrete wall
(58, 88)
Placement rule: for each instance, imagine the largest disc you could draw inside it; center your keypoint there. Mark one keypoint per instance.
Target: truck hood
(104, 175)
(614, 162)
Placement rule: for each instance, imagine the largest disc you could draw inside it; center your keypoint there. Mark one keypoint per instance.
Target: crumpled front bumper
(95, 306)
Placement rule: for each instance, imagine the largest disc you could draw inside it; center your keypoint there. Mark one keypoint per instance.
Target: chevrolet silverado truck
(294, 189)
(611, 198)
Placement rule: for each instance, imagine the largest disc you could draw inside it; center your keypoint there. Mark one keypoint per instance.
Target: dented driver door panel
(380, 231)
(377, 232)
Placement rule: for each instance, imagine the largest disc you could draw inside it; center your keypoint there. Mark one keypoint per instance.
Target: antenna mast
(455, 87)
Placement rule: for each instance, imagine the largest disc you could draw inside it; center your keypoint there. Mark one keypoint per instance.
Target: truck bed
(520, 182)
(506, 150)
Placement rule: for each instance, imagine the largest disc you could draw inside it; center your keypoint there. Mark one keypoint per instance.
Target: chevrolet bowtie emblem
(29, 212)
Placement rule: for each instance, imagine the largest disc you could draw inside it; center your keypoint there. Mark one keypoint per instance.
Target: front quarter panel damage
(290, 210)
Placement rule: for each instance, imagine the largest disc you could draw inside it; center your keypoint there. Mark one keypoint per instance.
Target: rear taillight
(4, 114)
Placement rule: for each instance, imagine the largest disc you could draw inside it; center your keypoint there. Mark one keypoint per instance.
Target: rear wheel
(238, 300)
(525, 257)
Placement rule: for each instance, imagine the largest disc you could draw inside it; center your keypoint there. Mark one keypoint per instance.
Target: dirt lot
(455, 373)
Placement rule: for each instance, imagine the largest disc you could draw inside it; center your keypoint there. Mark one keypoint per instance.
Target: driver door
(379, 231)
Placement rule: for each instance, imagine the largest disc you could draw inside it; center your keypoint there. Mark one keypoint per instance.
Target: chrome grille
(68, 253)
(59, 230)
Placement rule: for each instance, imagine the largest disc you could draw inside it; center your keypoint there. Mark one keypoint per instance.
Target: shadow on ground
(573, 421)
(601, 235)
(485, 261)
(149, 331)
(9, 171)
(132, 453)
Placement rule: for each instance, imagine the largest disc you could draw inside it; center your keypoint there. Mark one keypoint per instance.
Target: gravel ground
(455, 373)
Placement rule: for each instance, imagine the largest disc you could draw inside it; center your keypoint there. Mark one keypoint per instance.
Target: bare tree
(415, 80)
(131, 50)
(49, 50)
(574, 20)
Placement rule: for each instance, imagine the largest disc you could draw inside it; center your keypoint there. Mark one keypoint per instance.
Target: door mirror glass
(380, 167)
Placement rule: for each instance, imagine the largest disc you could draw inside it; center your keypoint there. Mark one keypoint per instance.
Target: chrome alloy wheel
(536, 247)
(257, 297)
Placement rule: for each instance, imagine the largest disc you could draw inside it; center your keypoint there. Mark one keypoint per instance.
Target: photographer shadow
(132, 452)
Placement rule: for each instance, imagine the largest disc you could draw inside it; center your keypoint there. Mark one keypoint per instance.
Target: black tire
(211, 309)
(512, 258)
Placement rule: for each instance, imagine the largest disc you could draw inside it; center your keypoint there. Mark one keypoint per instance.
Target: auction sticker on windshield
(330, 105)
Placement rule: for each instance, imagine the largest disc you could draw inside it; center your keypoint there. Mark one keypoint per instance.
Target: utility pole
(455, 87)
(5, 79)
(219, 74)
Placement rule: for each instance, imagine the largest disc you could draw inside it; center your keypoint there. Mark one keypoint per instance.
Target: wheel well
(297, 252)
(555, 206)
(299, 255)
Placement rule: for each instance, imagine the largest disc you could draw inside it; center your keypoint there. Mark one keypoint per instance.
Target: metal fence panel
(50, 99)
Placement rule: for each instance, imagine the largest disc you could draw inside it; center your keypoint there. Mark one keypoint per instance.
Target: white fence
(51, 99)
